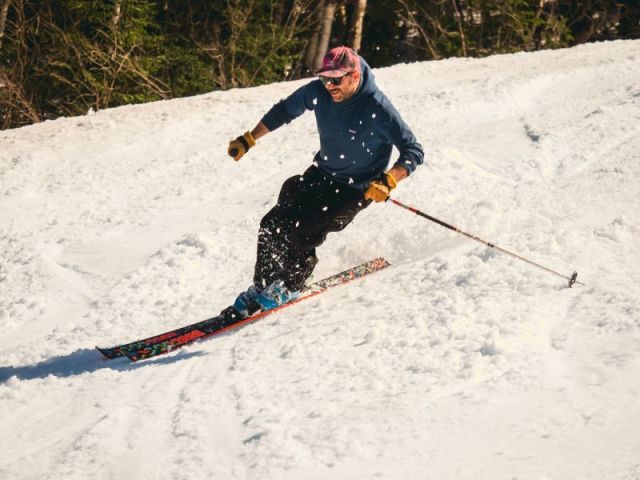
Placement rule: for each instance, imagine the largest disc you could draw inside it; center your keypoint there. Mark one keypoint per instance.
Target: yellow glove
(240, 146)
(380, 189)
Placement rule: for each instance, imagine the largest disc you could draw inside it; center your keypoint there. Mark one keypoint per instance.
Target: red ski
(229, 319)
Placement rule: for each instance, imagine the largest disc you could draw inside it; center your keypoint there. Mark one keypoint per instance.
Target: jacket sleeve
(291, 107)
(399, 133)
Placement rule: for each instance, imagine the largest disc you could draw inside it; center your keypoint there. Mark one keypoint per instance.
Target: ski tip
(382, 262)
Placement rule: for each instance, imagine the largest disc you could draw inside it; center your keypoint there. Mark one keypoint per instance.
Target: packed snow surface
(457, 362)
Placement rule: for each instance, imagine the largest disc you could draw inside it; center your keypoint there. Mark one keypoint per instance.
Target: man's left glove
(241, 145)
(380, 189)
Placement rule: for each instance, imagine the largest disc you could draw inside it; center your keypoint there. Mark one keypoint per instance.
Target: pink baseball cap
(339, 61)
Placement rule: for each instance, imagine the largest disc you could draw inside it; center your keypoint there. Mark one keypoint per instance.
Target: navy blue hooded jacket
(356, 135)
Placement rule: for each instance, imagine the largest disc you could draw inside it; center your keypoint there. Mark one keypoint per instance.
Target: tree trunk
(117, 13)
(312, 47)
(325, 33)
(355, 29)
(4, 9)
(460, 21)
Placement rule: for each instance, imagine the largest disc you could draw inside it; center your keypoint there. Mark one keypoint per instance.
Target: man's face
(347, 87)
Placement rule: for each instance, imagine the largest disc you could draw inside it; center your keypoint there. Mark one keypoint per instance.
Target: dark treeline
(64, 57)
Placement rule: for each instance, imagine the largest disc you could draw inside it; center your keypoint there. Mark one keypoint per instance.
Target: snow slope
(455, 363)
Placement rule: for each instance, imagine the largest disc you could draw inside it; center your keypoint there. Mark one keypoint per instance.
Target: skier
(358, 126)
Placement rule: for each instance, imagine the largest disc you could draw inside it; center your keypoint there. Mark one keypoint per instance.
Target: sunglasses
(333, 80)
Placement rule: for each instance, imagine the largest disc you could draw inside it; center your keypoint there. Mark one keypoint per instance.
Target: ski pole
(572, 279)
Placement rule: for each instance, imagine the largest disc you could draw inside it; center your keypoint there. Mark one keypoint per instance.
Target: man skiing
(358, 126)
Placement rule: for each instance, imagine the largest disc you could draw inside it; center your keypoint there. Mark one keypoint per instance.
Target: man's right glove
(380, 189)
(240, 146)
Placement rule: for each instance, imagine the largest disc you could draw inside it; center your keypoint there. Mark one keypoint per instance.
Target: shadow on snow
(84, 361)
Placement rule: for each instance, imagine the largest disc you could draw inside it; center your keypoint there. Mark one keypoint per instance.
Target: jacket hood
(366, 88)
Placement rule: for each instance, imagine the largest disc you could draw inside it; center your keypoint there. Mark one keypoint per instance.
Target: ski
(228, 318)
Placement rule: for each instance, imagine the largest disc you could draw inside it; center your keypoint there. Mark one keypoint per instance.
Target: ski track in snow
(456, 362)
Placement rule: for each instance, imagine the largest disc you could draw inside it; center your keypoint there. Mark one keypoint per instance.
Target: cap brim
(330, 73)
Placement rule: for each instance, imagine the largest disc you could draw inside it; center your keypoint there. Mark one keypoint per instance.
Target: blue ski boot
(275, 295)
(246, 304)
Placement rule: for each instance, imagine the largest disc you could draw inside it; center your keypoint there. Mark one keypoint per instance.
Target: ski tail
(110, 353)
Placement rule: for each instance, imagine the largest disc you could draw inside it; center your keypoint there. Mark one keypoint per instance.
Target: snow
(457, 362)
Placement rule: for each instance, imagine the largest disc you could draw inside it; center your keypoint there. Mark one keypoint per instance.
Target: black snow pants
(309, 207)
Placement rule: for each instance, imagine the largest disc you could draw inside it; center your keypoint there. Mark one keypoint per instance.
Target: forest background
(67, 57)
